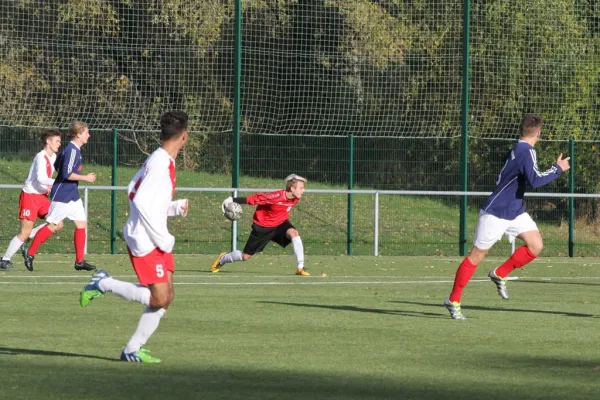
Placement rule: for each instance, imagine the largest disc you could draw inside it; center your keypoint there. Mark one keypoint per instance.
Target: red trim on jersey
(48, 166)
(135, 188)
(173, 177)
(273, 208)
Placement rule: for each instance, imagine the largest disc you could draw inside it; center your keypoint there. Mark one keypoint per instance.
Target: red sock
(520, 257)
(79, 240)
(465, 271)
(40, 237)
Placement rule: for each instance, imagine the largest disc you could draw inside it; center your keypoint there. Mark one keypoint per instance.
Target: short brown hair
(530, 125)
(173, 124)
(45, 135)
(76, 128)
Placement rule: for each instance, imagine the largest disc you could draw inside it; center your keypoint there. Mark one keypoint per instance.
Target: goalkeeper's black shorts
(260, 236)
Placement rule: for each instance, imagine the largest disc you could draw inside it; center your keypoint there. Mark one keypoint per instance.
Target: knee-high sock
(520, 257)
(79, 240)
(35, 230)
(298, 251)
(463, 274)
(234, 256)
(42, 235)
(126, 290)
(148, 323)
(13, 247)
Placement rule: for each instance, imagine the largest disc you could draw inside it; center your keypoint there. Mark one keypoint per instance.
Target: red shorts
(33, 206)
(152, 268)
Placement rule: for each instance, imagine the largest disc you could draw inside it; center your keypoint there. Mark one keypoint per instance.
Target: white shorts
(491, 228)
(72, 210)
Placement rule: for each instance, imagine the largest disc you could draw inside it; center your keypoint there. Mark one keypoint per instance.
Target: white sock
(148, 323)
(298, 251)
(235, 255)
(13, 247)
(126, 290)
(36, 229)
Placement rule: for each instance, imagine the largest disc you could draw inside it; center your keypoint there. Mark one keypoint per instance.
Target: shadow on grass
(565, 313)
(36, 352)
(32, 380)
(360, 309)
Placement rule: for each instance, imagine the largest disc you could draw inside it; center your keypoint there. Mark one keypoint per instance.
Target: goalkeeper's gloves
(225, 203)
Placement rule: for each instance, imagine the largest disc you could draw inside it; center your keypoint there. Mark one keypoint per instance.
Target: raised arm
(535, 178)
(264, 198)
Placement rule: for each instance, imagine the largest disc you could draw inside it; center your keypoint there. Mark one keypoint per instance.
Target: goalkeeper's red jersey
(273, 208)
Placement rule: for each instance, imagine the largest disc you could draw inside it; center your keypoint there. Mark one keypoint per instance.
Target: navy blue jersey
(520, 168)
(67, 162)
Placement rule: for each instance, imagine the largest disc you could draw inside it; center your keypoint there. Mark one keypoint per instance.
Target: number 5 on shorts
(160, 272)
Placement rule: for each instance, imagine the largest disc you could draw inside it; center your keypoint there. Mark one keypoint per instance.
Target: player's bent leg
(522, 256)
(125, 290)
(161, 296)
(31, 235)
(26, 229)
(225, 258)
(533, 241)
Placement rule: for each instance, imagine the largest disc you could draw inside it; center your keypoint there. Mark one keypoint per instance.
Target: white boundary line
(307, 283)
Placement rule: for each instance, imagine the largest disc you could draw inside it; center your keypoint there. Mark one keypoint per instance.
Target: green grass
(409, 225)
(373, 328)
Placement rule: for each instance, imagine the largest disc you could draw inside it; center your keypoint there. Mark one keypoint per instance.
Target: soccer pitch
(358, 328)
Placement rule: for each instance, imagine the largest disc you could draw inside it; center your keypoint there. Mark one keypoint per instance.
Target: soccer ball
(233, 211)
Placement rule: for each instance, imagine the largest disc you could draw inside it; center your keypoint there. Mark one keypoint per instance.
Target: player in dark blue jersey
(65, 199)
(503, 213)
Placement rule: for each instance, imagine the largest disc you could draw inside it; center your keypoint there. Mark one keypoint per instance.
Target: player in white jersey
(149, 242)
(33, 202)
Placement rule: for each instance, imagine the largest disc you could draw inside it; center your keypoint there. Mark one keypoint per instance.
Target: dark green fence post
(464, 125)
(350, 187)
(571, 199)
(113, 199)
(237, 81)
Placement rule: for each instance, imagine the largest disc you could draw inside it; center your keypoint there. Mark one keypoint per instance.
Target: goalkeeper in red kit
(270, 223)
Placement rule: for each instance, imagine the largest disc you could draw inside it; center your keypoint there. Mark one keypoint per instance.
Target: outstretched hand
(563, 163)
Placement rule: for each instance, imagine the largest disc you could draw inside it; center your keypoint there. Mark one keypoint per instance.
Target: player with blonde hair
(65, 199)
(270, 223)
